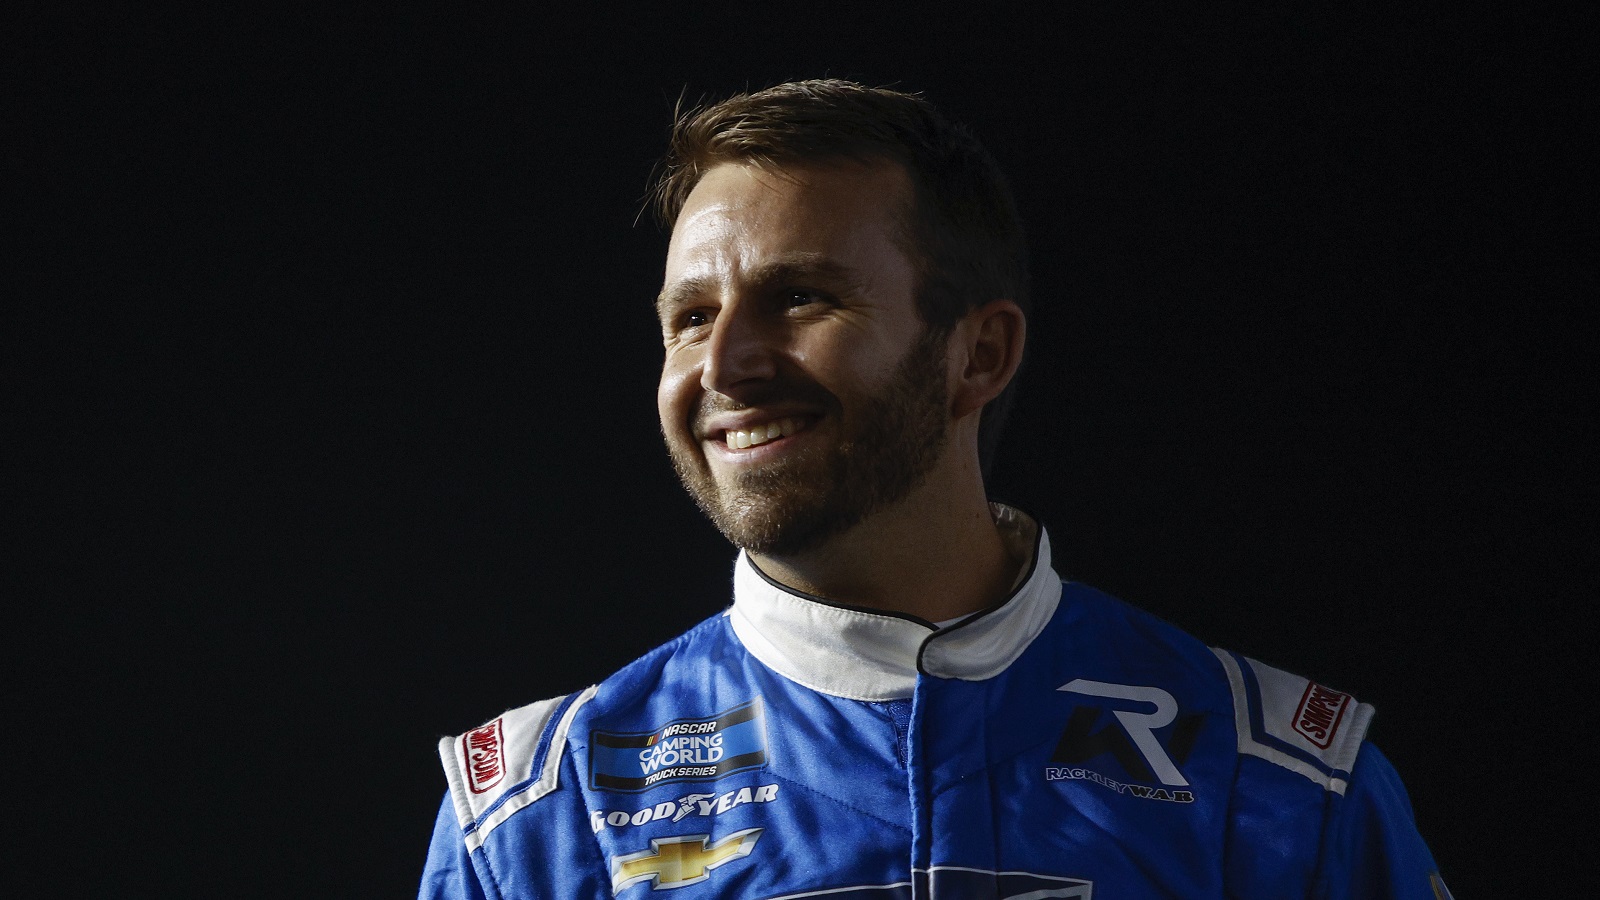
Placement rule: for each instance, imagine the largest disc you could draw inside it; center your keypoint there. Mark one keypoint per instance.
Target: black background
(332, 358)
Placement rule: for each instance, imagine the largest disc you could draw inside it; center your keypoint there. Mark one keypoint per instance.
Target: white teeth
(740, 440)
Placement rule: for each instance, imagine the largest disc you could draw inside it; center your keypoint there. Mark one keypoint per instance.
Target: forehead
(741, 216)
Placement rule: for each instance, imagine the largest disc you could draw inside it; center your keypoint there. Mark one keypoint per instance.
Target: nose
(742, 352)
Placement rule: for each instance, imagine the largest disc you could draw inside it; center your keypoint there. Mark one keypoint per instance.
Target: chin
(783, 513)
(774, 532)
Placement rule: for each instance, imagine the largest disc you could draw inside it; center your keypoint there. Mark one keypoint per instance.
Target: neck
(936, 555)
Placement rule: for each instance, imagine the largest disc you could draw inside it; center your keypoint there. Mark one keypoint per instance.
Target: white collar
(864, 655)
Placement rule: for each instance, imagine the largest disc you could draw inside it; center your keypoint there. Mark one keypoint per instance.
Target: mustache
(808, 394)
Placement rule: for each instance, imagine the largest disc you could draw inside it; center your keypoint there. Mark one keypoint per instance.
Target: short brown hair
(962, 232)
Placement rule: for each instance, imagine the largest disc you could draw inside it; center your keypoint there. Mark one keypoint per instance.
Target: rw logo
(678, 861)
(1131, 740)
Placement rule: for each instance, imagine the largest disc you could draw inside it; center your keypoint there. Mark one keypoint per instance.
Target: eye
(686, 322)
(794, 299)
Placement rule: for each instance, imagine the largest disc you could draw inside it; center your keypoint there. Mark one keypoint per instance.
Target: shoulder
(1316, 807)
(1295, 723)
(515, 759)
(1311, 803)
(1286, 719)
(509, 762)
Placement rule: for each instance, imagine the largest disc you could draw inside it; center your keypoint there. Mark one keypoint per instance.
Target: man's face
(800, 391)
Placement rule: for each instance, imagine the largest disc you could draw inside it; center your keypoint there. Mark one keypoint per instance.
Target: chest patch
(701, 749)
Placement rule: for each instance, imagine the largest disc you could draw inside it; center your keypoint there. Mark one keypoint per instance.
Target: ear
(985, 351)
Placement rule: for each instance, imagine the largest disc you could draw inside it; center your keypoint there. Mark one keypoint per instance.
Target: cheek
(849, 367)
(664, 401)
(673, 398)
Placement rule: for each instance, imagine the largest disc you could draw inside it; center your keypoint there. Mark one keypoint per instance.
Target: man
(904, 699)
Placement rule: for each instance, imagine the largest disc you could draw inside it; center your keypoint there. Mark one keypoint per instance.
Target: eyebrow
(789, 269)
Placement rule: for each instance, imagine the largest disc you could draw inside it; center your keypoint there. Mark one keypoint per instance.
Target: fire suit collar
(868, 655)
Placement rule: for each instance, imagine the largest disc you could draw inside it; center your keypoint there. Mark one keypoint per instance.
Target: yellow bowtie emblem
(677, 861)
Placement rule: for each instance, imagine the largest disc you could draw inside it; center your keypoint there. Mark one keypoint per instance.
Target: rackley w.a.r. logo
(680, 861)
(683, 750)
(1132, 741)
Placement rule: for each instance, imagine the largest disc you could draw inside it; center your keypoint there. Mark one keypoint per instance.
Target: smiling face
(801, 391)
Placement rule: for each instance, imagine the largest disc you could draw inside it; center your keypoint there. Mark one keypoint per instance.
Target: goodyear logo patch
(683, 750)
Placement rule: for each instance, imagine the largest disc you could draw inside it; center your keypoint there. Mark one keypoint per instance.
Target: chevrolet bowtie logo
(677, 861)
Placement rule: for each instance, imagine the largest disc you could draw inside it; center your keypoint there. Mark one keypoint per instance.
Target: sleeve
(448, 874)
(1371, 847)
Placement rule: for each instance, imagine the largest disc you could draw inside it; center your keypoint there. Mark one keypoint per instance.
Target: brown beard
(818, 493)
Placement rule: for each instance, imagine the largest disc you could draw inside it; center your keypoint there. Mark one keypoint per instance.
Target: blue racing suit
(1059, 744)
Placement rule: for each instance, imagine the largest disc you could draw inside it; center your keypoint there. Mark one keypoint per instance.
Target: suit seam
(494, 879)
(898, 826)
(588, 814)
